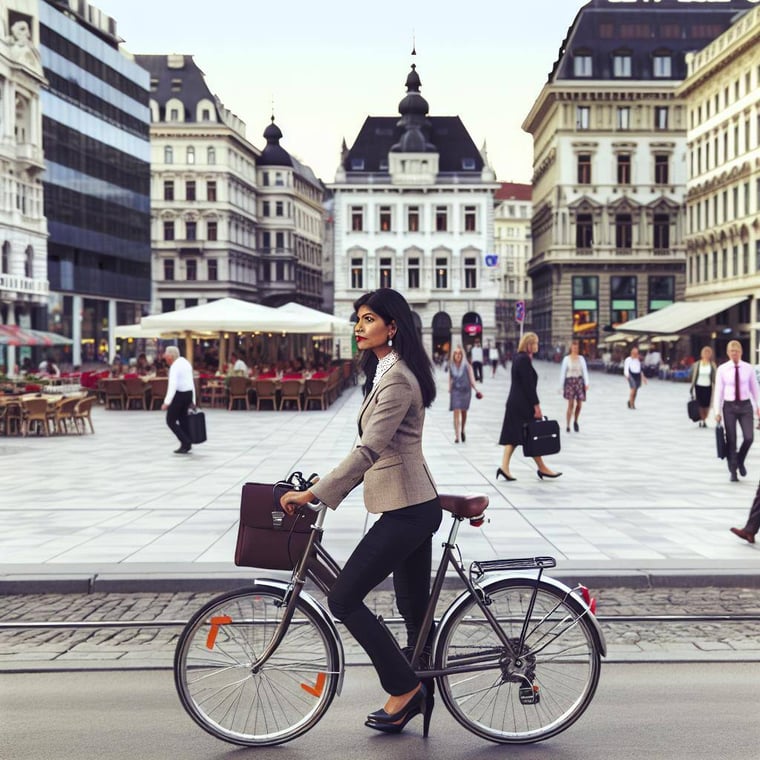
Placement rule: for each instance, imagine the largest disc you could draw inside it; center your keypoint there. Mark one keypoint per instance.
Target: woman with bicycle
(397, 486)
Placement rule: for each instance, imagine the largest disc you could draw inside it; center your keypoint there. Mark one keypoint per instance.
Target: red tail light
(590, 600)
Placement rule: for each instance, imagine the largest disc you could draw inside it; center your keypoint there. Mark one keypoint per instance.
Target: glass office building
(96, 140)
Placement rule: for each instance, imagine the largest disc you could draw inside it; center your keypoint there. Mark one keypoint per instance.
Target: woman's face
(457, 356)
(706, 354)
(371, 331)
(533, 347)
(574, 349)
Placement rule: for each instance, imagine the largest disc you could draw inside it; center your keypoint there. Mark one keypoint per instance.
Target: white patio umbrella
(229, 315)
(325, 322)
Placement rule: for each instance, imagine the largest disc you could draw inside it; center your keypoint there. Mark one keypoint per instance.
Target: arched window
(191, 155)
(211, 156)
(5, 264)
(168, 155)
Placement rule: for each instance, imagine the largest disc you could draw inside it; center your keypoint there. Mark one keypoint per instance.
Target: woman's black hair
(391, 306)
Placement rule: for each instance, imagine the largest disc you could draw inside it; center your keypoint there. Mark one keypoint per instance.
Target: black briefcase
(196, 425)
(540, 438)
(692, 409)
(720, 441)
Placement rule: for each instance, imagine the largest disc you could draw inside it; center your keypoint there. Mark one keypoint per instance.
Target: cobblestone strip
(30, 649)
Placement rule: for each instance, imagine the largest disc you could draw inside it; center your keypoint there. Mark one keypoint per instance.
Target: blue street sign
(520, 311)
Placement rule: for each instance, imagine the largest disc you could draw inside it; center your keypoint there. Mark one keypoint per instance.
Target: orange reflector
(317, 689)
(215, 623)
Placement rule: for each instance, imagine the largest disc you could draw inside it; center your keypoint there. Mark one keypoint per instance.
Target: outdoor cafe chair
(316, 392)
(136, 392)
(83, 413)
(238, 391)
(11, 417)
(266, 390)
(290, 391)
(114, 393)
(158, 388)
(62, 416)
(34, 410)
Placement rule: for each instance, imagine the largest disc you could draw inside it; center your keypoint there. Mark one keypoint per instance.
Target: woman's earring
(390, 340)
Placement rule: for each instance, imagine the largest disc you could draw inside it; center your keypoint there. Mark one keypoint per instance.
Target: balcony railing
(25, 285)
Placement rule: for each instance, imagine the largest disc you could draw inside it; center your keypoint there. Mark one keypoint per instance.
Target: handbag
(267, 536)
(196, 425)
(720, 441)
(692, 409)
(541, 437)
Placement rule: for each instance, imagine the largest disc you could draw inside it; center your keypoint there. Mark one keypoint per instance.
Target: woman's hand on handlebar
(293, 500)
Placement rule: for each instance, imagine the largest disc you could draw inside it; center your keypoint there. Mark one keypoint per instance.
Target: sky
(322, 68)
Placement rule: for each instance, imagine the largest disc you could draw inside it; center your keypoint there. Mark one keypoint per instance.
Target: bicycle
(516, 656)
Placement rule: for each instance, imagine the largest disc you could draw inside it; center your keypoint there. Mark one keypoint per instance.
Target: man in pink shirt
(736, 394)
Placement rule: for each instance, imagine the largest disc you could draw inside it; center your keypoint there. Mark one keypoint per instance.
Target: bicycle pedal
(529, 695)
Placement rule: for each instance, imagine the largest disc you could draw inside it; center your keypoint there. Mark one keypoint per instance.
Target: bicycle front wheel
(519, 694)
(234, 701)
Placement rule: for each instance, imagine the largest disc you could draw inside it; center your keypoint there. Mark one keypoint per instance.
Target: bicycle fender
(546, 580)
(315, 607)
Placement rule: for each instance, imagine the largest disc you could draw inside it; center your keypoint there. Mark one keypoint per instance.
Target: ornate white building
(513, 246)
(23, 228)
(414, 212)
(723, 191)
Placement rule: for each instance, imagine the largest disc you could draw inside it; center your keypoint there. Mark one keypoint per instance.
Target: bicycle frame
(317, 565)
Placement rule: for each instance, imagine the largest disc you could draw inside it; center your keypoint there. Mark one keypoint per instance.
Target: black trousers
(738, 412)
(400, 542)
(176, 416)
(753, 521)
(477, 371)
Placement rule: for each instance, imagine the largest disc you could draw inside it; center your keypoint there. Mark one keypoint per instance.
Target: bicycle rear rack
(478, 569)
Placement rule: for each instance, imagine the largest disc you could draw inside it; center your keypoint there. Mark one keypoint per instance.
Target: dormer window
(468, 164)
(662, 66)
(383, 165)
(357, 164)
(582, 64)
(621, 64)
(176, 85)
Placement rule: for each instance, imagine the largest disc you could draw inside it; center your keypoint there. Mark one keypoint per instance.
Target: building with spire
(229, 220)
(609, 183)
(291, 226)
(413, 210)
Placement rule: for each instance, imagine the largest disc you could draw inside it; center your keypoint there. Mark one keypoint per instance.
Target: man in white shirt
(180, 395)
(239, 367)
(737, 398)
(476, 359)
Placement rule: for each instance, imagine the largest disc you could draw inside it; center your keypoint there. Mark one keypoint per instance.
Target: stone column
(76, 329)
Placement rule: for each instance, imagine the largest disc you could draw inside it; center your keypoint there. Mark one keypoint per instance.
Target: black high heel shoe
(394, 723)
(504, 475)
(543, 475)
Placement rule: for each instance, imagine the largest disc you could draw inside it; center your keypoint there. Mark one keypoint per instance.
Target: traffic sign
(520, 312)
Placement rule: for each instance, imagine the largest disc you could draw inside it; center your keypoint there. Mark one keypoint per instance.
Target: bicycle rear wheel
(537, 693)
(275, 703)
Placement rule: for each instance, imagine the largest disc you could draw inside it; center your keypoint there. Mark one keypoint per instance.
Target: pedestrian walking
(397, 486)
(522, 406)
(749, 531)
(180, 396)
(476, 357)
(703, 383)
(573, 380)
(461, 386)
(736, 395)
(495, 359)
(633, 374)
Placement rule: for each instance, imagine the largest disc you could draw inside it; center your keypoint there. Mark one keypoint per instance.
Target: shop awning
(678, 316)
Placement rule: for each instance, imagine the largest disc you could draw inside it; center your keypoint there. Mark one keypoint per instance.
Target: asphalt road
(663, 712)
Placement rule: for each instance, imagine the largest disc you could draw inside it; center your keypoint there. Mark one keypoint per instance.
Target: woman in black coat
(522, 406)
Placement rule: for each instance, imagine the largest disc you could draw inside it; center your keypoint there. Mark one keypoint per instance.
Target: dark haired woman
(522, 406)
(398, 487)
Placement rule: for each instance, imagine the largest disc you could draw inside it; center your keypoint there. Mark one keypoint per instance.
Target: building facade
(609, 182)
(413, 210)
(203, 190)
(723, 191)
(23, 228)
(292, 226)
(513, 247)
(95, 131)
(228, 219)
